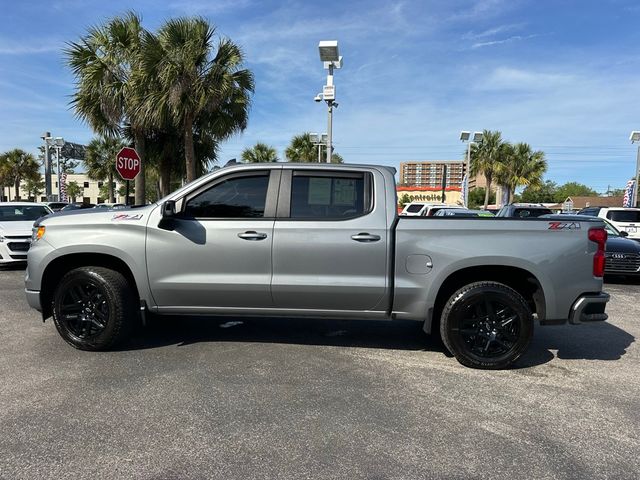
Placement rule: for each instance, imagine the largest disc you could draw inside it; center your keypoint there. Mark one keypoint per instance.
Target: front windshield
(22, 213)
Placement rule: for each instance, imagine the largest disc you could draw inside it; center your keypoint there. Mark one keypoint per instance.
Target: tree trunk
(487, 192)
(189, 152)
(110, 192)
(140, 142)
(165, 171)
(16, 187)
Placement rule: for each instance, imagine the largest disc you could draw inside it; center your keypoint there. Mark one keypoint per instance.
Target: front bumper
(12, 251)
(589, 308)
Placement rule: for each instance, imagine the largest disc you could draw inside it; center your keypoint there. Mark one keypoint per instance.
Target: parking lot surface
(196, 398)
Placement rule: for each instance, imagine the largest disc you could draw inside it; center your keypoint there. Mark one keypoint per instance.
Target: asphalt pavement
(200, 398)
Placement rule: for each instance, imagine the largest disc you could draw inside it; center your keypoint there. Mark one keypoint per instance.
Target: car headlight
(37, 234)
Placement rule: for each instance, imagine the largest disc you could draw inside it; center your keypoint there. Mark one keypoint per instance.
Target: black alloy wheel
(94, 308)
(84, 310)
(486, 325)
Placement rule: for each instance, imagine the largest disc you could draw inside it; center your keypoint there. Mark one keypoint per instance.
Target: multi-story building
(90, 190)
(432, 173)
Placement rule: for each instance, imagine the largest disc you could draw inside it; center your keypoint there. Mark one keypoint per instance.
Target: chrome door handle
(251, 235)
(365, 237)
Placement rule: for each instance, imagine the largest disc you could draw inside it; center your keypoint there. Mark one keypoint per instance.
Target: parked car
(624, 219)
(421, 209)
(110, 206)
(77, 206)
(622, 253)
(56, 206)
(523, 210)
(462, 212)
(16, 223)
(315, 240)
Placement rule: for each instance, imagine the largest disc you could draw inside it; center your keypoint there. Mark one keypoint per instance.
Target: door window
(328, 197)
(239, 197)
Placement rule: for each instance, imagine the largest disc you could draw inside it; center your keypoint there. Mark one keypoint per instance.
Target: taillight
(598, 235)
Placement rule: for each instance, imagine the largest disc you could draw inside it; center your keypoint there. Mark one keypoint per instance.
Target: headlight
(37, 234)
(1, 238)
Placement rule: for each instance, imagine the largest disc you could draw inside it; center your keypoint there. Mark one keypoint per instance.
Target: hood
(16, 228)
(97, 216)
(622, 245)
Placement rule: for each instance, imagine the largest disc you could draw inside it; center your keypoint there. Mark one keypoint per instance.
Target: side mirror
(623, 233)
(169, 209)
(168, 215)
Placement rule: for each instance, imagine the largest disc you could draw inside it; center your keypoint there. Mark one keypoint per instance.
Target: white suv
(16, 222)
(422, 209)
(624, 219)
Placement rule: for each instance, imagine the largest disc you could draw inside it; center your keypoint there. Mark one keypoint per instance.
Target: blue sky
(561, 75)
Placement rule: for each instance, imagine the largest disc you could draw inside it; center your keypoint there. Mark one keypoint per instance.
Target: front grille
(622, 263)
(18, 246)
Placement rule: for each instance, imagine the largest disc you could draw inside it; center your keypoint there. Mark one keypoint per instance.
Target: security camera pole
(635, 137)
(331, 59)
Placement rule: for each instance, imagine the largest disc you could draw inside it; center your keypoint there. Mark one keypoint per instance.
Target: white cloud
(203, 7)
(12, 47)
(512, 39)
(508, 78)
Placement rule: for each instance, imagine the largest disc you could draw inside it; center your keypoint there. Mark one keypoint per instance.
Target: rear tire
(486, 325)
(93, 308)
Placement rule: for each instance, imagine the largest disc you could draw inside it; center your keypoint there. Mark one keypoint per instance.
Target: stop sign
(128, 163)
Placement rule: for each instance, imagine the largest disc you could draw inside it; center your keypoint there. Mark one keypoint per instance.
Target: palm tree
(487, 158)
(73, 190)
(302, 150)
(196, 86)
(16, 166)
(105, 63)
(34, 185)
(523, 167)
(5, 179)
(260, 153)
(100, 161)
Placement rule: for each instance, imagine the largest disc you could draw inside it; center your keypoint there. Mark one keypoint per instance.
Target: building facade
(432, 173)
(90, 190)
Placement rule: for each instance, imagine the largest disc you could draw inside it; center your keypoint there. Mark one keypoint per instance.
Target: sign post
(128, 166)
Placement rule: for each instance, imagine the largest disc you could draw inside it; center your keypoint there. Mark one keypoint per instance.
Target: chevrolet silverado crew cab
(314, 240)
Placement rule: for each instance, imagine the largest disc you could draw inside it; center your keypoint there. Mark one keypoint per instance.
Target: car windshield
(22, 213)
(631, 216)
(611, 230)
(415, 208)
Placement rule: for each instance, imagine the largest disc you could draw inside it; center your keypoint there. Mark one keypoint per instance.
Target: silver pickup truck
(312, 240)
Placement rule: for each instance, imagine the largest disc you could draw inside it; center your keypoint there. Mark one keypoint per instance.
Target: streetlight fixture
(465, 136)
(46, 138)
(330, 57)
(635, 137)
(318, 140)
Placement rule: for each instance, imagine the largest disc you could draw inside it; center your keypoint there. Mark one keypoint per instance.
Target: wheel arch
(521, 280)
(59, 266)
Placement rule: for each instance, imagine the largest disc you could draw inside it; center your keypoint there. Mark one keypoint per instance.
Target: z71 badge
(124, 216)
(564, 226)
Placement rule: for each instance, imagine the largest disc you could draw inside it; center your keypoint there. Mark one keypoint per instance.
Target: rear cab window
(336, 195)
(415, 208)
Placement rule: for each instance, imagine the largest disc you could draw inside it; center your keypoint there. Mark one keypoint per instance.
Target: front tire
(486, 325)
(93, 308)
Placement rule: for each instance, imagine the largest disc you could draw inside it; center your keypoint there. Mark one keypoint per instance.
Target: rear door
(330, 241)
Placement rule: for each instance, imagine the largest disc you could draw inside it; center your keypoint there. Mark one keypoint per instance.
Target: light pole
(46, 138)
(331, 59)
(58, 143)
(635, 137)
(465, 136)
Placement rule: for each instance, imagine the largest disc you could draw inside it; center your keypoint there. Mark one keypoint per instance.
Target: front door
(218, 253)
(330, 253)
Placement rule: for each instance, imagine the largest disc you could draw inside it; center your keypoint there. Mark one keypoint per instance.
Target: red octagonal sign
(128, 163)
